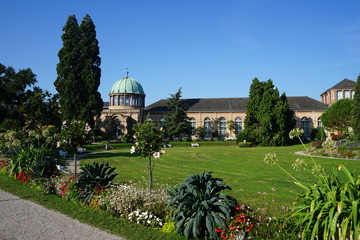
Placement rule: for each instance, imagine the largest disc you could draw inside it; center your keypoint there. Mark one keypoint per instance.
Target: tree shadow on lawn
(109, 154)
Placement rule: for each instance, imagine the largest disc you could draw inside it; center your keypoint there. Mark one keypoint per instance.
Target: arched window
(207, 127)
(305, 126)
(222, 126)
(238, 125)
(162, 122)
(319, 123)
(193, 126)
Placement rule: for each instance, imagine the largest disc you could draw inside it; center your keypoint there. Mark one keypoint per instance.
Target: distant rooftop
(234, 104)
(344, 84)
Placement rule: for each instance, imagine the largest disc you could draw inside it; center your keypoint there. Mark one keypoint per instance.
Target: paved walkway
(303, 153)
(24, 220)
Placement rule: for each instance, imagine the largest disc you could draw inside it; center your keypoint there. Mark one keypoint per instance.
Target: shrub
(198, 207)
(244, 144)
(93, 179)
(121, 200)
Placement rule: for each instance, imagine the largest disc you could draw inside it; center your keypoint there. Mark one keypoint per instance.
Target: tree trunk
(150, 168)
(75, 162)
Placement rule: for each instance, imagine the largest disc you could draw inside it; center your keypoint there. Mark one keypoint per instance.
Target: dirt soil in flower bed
(21, 219)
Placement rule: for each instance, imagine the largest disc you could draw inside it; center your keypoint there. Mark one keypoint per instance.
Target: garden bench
(195, 145)
(62, 153)
(81, 150)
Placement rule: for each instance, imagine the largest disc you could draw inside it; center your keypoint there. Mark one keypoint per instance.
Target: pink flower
(87, 128)
(156, 154)
(163, 152)
(132, 149)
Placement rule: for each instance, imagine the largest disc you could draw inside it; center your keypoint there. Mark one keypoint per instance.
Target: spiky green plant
(93, 179)
(329, 208)
(198, 206)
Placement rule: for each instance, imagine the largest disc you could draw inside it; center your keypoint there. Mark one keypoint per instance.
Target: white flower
(156, 155)
(132, 149)
(163, 152)
(58, 144)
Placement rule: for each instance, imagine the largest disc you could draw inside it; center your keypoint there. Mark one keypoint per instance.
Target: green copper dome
(127, 85)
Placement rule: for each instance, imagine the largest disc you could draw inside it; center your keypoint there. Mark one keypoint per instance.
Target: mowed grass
(242, 169)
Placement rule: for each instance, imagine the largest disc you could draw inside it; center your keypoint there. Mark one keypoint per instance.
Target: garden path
(21, 219)
(303, 153)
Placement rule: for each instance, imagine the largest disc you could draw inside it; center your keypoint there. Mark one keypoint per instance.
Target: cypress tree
(79, 71)
(356, 111)
(68, 82)
(90, 70)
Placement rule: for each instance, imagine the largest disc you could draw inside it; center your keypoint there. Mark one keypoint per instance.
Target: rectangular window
(127, 100)
(346, 94)
(339, 95)
(222, 128)
(352, 94)
(121, 99)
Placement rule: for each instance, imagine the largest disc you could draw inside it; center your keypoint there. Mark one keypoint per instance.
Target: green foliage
(149, 139)
(169, 227)
(355, 114)
(268, 118)
(200, 132)
(198, 207)
(330, 207)
(338, 116)
(176, 120)
(35, 162)
(21, 103)
(93, 179)
(79, 71)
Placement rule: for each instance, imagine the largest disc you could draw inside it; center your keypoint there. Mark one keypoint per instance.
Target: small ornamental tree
(338, 116)
(149, 139)
(73, 135)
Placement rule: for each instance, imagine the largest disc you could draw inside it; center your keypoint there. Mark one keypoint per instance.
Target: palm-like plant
(198, 207)
(94, 178)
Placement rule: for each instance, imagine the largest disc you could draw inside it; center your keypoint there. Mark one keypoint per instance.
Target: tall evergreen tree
(90, 70)
(176, 120)
(356, 111)
(79, 71)
(268, 118)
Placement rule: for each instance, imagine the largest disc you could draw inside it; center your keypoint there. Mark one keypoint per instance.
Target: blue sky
(211, 49)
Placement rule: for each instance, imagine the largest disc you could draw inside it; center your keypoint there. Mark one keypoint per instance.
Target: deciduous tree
(338, 116)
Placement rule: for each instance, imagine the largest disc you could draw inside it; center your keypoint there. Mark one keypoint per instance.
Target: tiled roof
(235, 104)
(344, 84)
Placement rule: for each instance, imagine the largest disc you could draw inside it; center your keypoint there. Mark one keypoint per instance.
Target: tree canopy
(79, 71)
(22, 104)
(176, 120)
(338, 116)
(356, 111)
(268, 117)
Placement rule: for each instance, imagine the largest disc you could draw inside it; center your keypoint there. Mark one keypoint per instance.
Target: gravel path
(21, 219)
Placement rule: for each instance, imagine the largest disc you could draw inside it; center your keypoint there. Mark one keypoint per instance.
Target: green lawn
(242, 169)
